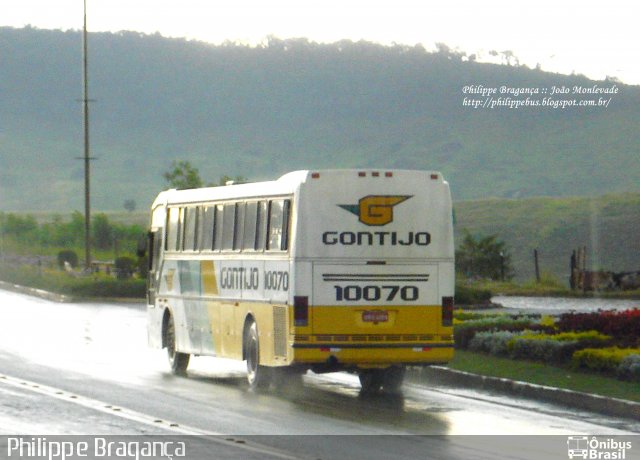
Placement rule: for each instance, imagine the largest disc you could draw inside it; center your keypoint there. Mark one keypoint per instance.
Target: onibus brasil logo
(375, 210)
(594, 448)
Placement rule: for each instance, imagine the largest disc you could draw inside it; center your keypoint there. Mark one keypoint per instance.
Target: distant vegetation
(23, 235)
(606, 225)
(259, 112)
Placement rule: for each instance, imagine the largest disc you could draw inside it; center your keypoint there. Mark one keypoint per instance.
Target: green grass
(544, 374)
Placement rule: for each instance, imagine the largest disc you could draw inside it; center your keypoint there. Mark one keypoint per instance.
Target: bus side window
(239, 226)
(228, 226)
(286, 217)
(250, 221)
(261, 227)
(278, 225)
(206, 228)
(190, 228)
(217, 227)
(173, 229)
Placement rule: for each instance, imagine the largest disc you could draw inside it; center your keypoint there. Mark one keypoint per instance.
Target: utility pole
(87, 157)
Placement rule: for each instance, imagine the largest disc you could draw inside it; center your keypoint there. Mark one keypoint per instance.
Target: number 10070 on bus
(329, 270)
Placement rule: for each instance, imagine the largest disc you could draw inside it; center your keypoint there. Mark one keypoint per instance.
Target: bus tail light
(447, 311)
(301, 311)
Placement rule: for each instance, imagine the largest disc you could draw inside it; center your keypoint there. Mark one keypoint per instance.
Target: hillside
(259, 112)
(606, 225)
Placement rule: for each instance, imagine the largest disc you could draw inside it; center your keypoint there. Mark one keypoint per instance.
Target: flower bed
(623, 325)
(624, 362)
(603, 341)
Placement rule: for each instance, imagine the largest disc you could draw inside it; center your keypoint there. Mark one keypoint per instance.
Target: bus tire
(259, 377)
(392, 378)
(177, 361)
(370, 380)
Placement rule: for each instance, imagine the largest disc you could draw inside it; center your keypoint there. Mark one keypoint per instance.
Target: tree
(130, 205)
(102, 231)
(484, 257)
(183, 175)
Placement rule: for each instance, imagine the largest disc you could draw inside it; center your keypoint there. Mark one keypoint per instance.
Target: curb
(569, 398)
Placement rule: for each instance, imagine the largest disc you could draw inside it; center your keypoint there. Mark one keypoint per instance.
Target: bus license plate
(375, 316)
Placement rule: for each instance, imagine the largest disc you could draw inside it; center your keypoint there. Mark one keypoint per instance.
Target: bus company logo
(594, 448)
(375, 210)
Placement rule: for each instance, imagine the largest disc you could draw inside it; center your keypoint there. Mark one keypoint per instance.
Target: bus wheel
(392, 378)
(177, 361)
(258, 376)
(370, 380)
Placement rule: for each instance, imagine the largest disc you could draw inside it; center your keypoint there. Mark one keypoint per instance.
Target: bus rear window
(278, 232)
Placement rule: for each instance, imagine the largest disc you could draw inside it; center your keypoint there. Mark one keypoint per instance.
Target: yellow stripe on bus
(209, 282)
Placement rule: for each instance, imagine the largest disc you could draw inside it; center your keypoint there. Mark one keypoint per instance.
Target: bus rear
(374, 273)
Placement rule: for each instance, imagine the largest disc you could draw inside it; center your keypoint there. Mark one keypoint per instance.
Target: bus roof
(285, 185)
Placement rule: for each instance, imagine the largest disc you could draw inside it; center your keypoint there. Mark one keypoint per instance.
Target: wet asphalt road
(68, 369)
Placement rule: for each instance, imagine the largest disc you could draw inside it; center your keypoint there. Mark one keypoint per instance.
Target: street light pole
(87, 158)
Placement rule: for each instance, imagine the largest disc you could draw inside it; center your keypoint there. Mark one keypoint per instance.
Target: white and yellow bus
(325, 270)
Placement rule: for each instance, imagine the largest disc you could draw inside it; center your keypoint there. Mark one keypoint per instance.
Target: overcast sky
(596, 39)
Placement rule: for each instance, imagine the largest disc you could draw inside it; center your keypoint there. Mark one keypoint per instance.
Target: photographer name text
(554, 97)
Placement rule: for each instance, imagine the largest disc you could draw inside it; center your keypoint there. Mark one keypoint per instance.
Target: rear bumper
(372, 354)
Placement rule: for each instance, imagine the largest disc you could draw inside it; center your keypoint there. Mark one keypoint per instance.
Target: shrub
(492, 342)
(88, 287)
(553, 347)
(602, 359)
(629, 368)
(67, 255)
(466, 295)
(624, 326)
(462, 315)
(464, 332)
(542, 349)
(548, 321)
(124, 267)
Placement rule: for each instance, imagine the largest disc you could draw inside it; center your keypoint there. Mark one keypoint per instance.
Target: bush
(602, 359)
(492, 342)
(462, 315)
(125, 266)
(62, 283)
(108, 287)
(466, 295)
(543, 349)
(553, 347)
(629, 368)
(624, 326)
(464, 332)
(67, 255)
